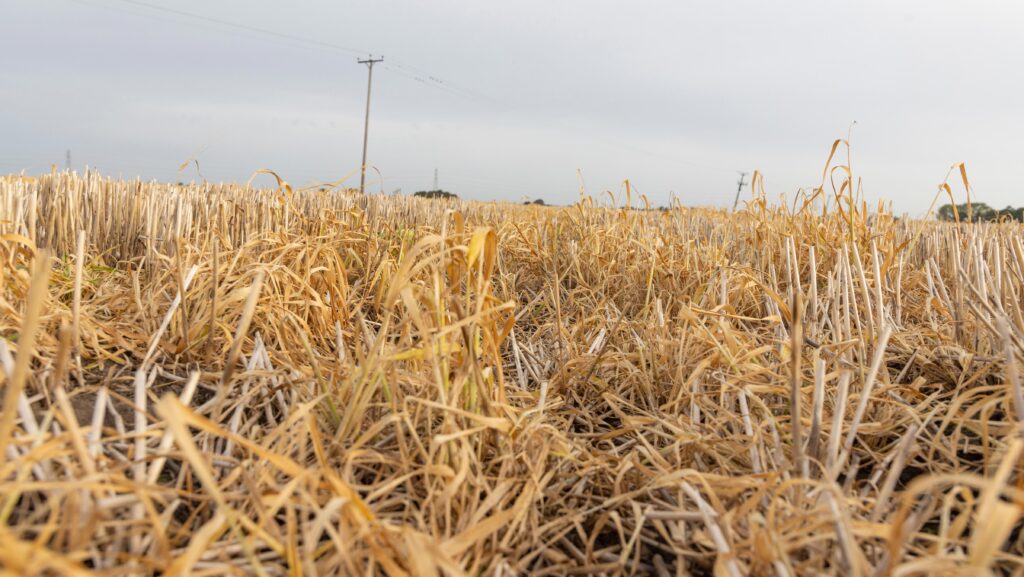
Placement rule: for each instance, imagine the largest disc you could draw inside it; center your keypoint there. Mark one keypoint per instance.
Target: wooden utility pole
(369, 62)
(739, 187)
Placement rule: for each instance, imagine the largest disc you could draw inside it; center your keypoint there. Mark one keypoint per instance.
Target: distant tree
(945, 212)
(980, 212)
(435, 194)
(539, 202)
(983, 212)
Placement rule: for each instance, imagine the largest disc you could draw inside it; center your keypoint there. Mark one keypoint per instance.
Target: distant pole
(435, 180)
(369, 62)
(739, 187)
(67, 159)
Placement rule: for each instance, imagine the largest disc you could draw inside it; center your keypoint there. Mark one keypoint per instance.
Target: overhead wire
(410, 72)
(248, 28)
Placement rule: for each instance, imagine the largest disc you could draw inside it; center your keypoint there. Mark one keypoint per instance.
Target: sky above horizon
(509, 100)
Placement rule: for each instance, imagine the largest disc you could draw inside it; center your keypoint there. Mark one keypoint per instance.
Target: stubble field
(220, 379)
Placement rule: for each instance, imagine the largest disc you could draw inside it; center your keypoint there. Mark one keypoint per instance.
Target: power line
(407, 70)
(410, 71)
(450, 89)
(246, 27)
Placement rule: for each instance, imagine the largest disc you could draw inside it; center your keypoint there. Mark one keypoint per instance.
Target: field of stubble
(212, 379)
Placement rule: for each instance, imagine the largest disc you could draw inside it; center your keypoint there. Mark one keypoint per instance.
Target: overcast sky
(507, 100)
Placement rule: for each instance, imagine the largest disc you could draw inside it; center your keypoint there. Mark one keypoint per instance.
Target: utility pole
(67, 159)
(435, 180)
(739, 187)
(369, 62)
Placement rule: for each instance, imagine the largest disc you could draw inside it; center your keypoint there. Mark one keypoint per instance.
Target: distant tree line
(446, 194)
(435, 194)
(980, 212)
